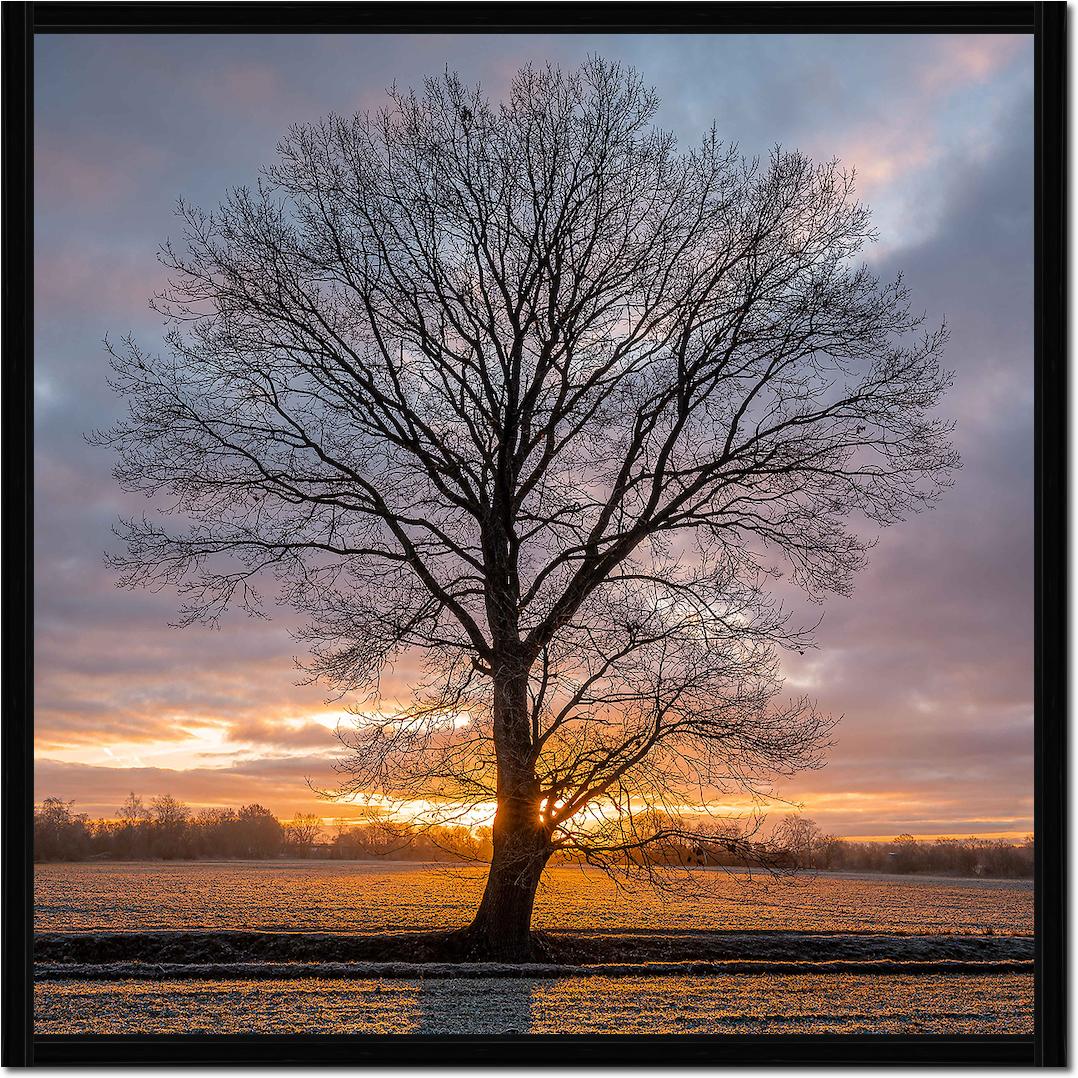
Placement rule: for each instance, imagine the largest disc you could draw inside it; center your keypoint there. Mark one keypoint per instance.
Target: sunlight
(195, 746)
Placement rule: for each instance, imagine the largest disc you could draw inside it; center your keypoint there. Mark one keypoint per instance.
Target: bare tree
(133, 812)
(528, 391)
(799, 839)
(303, 831)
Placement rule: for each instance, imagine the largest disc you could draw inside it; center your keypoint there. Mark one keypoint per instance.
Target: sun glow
(297, 749)
(195, 745)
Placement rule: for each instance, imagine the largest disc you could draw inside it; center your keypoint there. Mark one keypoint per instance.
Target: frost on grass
(369, 897)
(950, 1004)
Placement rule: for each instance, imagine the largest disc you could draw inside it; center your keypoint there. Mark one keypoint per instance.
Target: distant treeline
(798, 843)
(994, 858)
(167, 829)
(164, 828)
(999, 858)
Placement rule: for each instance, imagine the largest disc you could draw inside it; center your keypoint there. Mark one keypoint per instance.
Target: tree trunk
(501, 930)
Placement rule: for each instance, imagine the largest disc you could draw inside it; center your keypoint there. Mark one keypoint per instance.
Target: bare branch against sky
(529, 390)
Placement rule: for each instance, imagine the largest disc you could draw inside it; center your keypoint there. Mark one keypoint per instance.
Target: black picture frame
(22, 22)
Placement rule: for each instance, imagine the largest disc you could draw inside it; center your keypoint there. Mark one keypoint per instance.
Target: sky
(929, 663)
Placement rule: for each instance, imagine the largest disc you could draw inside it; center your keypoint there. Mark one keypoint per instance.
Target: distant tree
(350, 842)
(259, 832)
(800, 839)
(133, 811)
(213, 833)
(906, 854)
(457, 842)
(168, 827)
(131, 837)
(60, 834)
(725, 842)
(529, 391)
(302, 832)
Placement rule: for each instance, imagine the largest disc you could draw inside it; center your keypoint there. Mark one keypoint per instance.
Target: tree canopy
(529, 391)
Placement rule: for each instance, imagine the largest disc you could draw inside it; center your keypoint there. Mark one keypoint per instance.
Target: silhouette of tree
(259, 833)
(168, 826)
(529, 392)
(213, 833)
(59, 834)
(134, 825)
(302, 832)
(799, 839)
(133, 811)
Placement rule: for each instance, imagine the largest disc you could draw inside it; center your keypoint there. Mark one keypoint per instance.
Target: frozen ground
(324, 947)
(378, 897)
(954, 1004)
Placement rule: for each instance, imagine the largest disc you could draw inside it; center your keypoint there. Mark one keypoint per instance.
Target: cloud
(280, 785)
(968, 58)
(101, 281)
(91, 171)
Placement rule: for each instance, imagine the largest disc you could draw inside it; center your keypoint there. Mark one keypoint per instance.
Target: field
(804, 921)
(345, 896)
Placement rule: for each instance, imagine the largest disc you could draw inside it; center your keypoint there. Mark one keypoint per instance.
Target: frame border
(1050, 535)
(16, 435)
(19, 23)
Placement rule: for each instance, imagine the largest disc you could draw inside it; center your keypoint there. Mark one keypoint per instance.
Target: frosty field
(759, 918)
(742, 1004)
(353, 896)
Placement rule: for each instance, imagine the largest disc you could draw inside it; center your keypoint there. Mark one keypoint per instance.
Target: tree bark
(501, 929)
